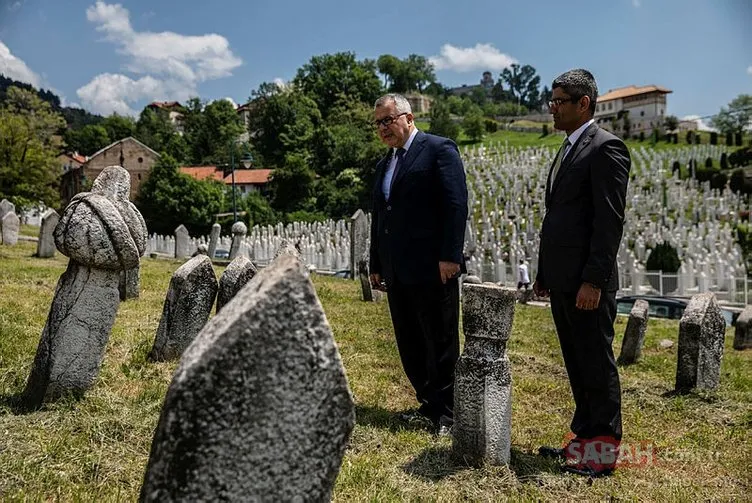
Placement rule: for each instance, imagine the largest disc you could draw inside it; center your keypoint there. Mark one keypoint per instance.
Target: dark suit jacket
(424, 220)
(585, 215)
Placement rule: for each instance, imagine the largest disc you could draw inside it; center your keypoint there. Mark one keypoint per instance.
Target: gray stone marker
(483, 381)
(259, 408)
(6, 207)
(201, 249)
(187, 306)
(129, 286)
(634, 335)
(103, 233)
(182, 242)
(10, 227)
(214, 239)
(365, 280)
(237, 274)
(239, 231)
(701, 335)
(286, 247)
(46, 242)
(359, 238)
(743, 329)
(471, 279)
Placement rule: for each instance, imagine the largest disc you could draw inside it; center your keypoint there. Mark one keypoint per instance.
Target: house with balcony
(644, 107)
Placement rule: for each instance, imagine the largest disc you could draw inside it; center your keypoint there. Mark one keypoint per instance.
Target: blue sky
(118, 57)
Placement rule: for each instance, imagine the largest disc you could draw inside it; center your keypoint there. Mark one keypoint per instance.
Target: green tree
(441, 122)
(211, 131)
(292, 184)
(333, 78)
(523, 83)
(391, 68)
(169, 198)
(87, 140)
(281, 121)
(671, 122)
(258, 210)
(119, 126)
(29, 145)
(736, 117)
(154, 129)
(473, 125)
(419, 72)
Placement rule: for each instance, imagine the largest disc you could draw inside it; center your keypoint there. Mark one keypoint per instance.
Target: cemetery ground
(96, 449)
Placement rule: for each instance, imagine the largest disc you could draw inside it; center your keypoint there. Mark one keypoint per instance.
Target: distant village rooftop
(629, 91)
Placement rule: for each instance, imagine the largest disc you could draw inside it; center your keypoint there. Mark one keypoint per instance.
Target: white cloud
(108, 92)
(14, 6)
(467, 59)
(749, 69)
(14, 68)
(636, 3)
(173, 64)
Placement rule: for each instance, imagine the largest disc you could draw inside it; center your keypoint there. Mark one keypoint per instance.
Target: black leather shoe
(551, 452)
(588, 471)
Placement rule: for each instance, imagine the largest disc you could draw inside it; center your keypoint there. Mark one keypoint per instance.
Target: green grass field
(96, 449)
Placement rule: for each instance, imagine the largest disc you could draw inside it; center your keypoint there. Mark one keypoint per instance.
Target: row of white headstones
(506, 189)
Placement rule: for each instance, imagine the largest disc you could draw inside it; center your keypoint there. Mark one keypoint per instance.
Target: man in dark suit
(417, 235)
(585, 199)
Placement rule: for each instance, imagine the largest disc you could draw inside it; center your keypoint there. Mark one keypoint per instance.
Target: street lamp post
(247, 160)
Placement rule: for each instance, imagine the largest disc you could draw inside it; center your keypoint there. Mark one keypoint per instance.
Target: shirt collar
(409, 142)
(578, 132)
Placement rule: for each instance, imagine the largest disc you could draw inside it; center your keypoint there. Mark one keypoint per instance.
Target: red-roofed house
(646, 107)
(250, 180)
(174, 112)
(203, 172)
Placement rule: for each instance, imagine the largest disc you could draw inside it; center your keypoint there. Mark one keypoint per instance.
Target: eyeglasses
(388, 120)
(559, 101)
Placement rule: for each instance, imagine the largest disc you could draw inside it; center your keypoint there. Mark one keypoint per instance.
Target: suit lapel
(412, 153)
(582, 142)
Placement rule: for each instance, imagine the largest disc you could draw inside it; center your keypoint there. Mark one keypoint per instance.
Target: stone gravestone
(46, 243)
(239, 231)
(10, 227)
(365, 280)
(129, 285)
(743, 329)
(182, 242)
(287, 248)
(103, 233)
(187, 306)
(359, 237)
(214, 238)
(634, 335)
(6, 207)
(701, 335)
(483, 382)
(236, 275)
(259, 408)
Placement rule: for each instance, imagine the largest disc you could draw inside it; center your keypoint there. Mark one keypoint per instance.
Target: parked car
(668, 307)
(220, 253)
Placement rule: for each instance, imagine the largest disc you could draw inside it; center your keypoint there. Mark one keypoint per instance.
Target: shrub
(718, 180)
(714, 138)
(491, 125)
(724, 161)
(709, 162)
(729, 139)
(663, 258)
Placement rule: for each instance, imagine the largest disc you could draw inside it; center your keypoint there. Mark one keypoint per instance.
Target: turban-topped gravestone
(102, 233)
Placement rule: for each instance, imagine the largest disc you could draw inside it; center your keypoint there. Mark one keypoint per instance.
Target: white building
(646, 107)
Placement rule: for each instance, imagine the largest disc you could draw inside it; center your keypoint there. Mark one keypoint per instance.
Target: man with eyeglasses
(581, 231)
(417, 235)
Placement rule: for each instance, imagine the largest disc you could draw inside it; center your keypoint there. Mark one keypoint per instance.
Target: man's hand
(588, 297)
(539, 291)
(376, 282)
(448, 270)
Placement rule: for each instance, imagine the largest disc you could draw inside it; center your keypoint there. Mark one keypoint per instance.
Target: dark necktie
(400, 155)
(559, 158)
